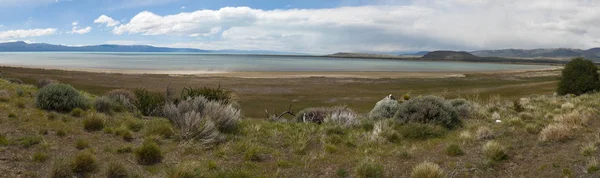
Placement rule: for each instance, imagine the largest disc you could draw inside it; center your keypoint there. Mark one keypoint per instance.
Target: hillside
(557, 53)
(449, 55)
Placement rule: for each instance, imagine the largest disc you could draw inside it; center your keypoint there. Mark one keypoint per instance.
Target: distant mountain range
(556, 53)
(20, 46)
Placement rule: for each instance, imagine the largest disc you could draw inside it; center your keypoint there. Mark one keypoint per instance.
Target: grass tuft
(93, 123)
(148, 154)
(427, 170)
(369, 169)
(493, 151)
(556, 132)
(116, 170)
(84, 164)
(454, 150)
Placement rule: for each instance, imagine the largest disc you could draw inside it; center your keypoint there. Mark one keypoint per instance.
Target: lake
(194, 62)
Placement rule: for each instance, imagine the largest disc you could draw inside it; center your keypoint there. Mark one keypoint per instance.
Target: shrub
(125, 149)
(134, 124)
(148, 103)
(421, 131)
(60, 97)
(104, 104)
(61, 133)
(82, 144)
(386, 108)
(428, 109)
(342, 115)
(123, 97)
(494, 151)
(555, 132)
(201, 119)
(463, 107)
(84, 163)
(45, 82)
(384, 129)
(61, 169)
(148, 154)
(517, 106)
(454, 150)
(15, 81)
(116, 170)
(485, 133)
(532, 128)
(369, 169)
(20, 92)
(159, 127)
(578, 77)
(427, 170)
(93, 123)
(39, 157)
(211, 94)
(4, 96)
(28, 141)
(572, 119)
(77, 112)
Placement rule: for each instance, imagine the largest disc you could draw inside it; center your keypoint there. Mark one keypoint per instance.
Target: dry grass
(556, 132)
(427, 170)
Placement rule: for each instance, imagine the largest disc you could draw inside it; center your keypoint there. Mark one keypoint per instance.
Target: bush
(15, 81)
(39, 157)
(463, 107)
(578, 77)
(427, 170)
(211, 94)
(45, 82)
(159, 127)
(201, 119)
(148, 103)
(386, 108)
(84, 164)
(485, 133)
(82, 144)
(125, 98)
(4, 96)
(77, 112)
(494, 151)
(369, 169)
(116, 170)
(61, 169)
(454, 150)
(148, 154)
(104, 104)
(93, 123)
(421, 131)
(428, 109)
(316, 115)
(556, 132)
(339, 115)
(60, 97)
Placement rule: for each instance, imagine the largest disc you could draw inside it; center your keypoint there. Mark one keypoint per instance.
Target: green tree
(578, 77)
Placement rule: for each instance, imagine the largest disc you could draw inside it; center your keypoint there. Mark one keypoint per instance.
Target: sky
(306, 26)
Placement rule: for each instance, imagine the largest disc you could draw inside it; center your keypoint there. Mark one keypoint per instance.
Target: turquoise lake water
(236, 63)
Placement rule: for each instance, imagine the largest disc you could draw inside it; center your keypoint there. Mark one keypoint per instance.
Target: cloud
(108, 21)
(13, 34)
(77, 30)
(407, 26)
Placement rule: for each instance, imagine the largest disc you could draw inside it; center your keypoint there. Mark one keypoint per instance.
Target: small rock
(498, 121)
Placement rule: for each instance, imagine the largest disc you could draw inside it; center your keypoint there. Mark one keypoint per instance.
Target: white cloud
(110, 22)
(124, 42)
(75, 23)
(14, 34)
(77, 30)
(182, 7)
(420, 25)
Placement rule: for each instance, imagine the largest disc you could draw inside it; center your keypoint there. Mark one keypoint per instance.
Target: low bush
(494, 151)
(82, 144)
(454, 150)
(15, 81)
(148, 154)
(578, 77)
(463, 107)
(61, 133)
(532, 128)
(45, 82)
(104, 105)
(116, 170)
(555, 132)
(211, 94)
(343, 116)
(60, 97)
(148, 103)
(93, 123)
(134, 125)
(123, 98)
(428, 109)
(386, 108)
(159, 127)
(84, 164)
(421, 131)
(427, 170)
(61, 169)
(77, 112)
(369, 169)
(316, 115)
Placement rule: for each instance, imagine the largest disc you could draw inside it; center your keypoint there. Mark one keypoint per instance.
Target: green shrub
(428, 109)
(463, 107)
(45, 82)
(82, 144)
(386, 108)
(84, 164)
(148, 154)
(60, 97)
(104, 105)
(28, 141)
(578, 77)
(148, 103)
(454, 150)
(93, 123)
(369, 169)
(421, 131)
(20, 92)
(494, 151)
(15, 81)
(134, 124)
(116, 170)
(427, 170)
(77, 112)
(61, 169)
(159, 127)
(125, 149)
(39, 157)
(211, 94)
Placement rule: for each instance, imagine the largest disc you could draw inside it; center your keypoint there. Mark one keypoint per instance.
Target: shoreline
(291, 74)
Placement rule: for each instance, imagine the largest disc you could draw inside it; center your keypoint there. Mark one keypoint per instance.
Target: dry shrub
(384, 109)
(556, 132)
(4, 96)
(494, 151)
(339, 115)
(427, 170)
(428, 110)
(485, 133)
(573, 119)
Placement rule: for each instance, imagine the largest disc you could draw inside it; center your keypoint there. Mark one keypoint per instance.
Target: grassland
(33, 142)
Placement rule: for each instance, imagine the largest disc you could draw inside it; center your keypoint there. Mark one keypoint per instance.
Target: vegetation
(211, 94)
(427, 170)
(386, 108)
(578, 77)
(117, 170)
(60, 97)
(148, 154)
(94, 123)
(148, 103)
(84, 163)
(428, 109)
